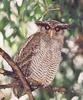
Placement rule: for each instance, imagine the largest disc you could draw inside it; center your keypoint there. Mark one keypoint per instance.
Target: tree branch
(55, 89)
(8, 73)
(7, 86)
(18, 72)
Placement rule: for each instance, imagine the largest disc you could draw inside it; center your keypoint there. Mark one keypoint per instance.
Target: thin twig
(55, 89)
(7, 73)
(14, 84)
(6, 86)
(18, 72)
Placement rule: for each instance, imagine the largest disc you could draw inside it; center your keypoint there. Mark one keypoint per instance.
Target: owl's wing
(23, 58)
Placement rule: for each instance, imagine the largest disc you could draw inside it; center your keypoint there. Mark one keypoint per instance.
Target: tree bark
(17, 70)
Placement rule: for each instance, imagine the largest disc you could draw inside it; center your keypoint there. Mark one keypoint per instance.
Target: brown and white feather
(40, 56)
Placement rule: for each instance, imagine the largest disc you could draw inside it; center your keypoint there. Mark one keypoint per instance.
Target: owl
(40, 56)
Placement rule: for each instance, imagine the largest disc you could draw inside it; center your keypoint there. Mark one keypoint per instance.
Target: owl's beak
(51, 33)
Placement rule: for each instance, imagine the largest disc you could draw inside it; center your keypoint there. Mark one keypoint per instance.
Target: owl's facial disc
(53, 28)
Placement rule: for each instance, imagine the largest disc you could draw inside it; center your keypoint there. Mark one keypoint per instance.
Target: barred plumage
(40, 56)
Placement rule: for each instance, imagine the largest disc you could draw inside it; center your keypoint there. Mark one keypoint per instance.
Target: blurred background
(17, 19)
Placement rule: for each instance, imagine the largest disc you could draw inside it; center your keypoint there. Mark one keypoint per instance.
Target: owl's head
(54, 29)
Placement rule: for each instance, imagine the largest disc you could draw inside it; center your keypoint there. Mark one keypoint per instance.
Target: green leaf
(3, 23)
(7, 6)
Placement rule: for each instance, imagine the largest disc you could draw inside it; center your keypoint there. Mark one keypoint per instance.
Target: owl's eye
(47, 27)
(57, 29)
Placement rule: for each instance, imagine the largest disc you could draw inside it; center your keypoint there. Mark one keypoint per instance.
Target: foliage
(14, 15)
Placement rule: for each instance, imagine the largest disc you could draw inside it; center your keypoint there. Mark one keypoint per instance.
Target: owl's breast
(45, 63)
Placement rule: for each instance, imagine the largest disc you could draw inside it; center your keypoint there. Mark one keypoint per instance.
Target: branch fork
(18, 72)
